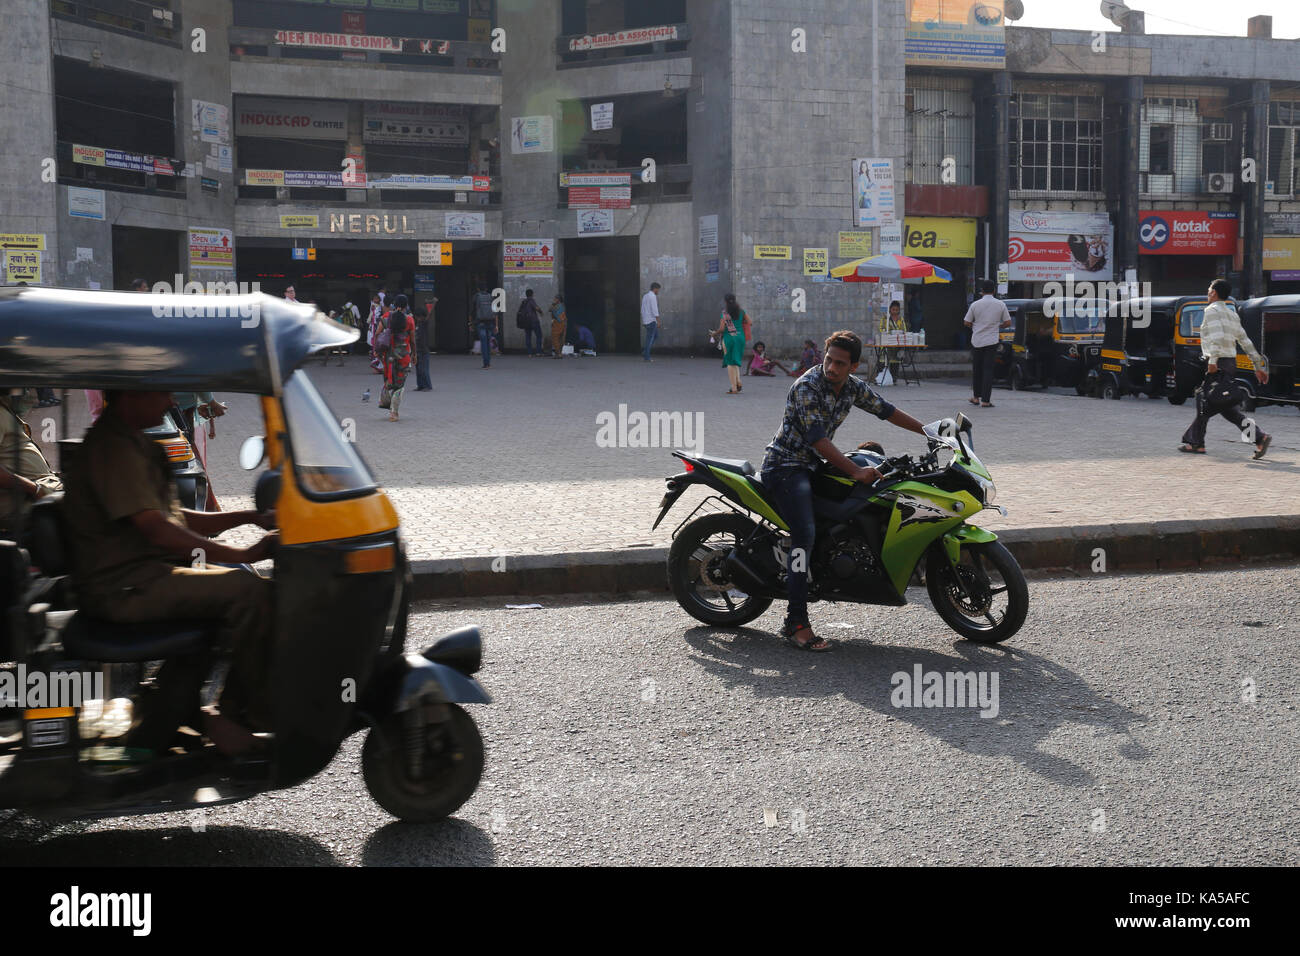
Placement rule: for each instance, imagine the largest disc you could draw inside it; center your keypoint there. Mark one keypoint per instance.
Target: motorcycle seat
(738, 465)
(93, 639)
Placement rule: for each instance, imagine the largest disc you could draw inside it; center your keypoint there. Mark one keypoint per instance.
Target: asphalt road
(622, 733)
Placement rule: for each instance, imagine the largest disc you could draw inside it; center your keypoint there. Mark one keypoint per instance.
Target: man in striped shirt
(1221, 332)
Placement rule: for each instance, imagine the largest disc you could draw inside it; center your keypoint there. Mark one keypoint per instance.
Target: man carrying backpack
(485, 323)
(529, 318)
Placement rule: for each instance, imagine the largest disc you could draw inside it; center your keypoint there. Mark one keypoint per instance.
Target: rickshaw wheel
(1176, 398)
(1017, 380)
(453, 755)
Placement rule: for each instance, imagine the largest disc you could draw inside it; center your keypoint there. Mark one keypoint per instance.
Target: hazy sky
(1211, 17)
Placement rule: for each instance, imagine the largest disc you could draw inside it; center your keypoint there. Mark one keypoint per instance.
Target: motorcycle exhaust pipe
(743, 575)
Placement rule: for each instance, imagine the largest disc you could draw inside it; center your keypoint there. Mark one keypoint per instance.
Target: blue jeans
(651, 333)
(422, 371)
(792, 489)
(528, 339)
(485, 341)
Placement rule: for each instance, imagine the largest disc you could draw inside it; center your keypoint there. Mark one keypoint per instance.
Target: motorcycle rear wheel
(972, 614)
(698, 579)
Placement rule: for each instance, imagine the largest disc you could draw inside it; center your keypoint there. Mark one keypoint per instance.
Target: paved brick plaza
(506, 461)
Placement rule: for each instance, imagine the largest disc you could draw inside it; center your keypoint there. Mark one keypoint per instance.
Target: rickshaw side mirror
(252, 452)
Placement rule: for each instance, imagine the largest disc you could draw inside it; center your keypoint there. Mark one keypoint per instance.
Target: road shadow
(1036, 696)
(23, 845)
(450, 842)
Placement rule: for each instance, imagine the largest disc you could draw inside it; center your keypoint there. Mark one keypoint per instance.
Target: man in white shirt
(650, 318)
(1219, 394)
(986, 316)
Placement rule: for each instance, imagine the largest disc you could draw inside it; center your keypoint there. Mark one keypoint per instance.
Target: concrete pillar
(1126, 225)
(1256, 143)
(998, 106)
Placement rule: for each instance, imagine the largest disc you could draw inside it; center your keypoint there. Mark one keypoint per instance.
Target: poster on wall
(1050, 246)
(212, 249)
(708, 235)
(86, 203)
(595, 222)
(526, 257)
(532, 134)
(1168, 232)
(415, 124)
(873, 192)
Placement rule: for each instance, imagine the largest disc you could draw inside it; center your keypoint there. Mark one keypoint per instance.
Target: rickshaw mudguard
(428, 682)
(965, 534)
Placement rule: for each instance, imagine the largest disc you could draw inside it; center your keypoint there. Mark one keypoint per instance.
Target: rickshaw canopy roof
(130, 340)
(1274, 303)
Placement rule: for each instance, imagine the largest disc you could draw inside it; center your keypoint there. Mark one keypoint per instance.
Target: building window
(1178, 143)
(1283, 148)
(1056, 143)
(940, 125)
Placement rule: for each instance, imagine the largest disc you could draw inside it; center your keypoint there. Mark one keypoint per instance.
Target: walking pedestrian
(1219, 394)
(423, 343)
(986, 317)
(529, 320)
(397, 363)
(559, 320)
(650, 318)
(374, 324)
(486, 323)
(730, 326)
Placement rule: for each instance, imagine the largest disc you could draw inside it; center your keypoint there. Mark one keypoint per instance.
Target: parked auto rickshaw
(1273, 324)
(341, 582)
(1151, 346)
(1047, 343)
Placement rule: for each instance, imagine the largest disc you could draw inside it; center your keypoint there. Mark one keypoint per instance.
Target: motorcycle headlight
(990, 490)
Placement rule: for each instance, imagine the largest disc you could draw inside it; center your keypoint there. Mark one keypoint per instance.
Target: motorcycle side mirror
(252, 452)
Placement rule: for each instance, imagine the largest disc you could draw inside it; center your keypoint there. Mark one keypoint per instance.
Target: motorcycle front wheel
(698, 578)
(984, 598)
(452, 762)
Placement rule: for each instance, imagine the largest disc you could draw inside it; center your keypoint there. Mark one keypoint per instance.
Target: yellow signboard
(23, 267)
(939, 238)
(300, 222)
(434, 253)
(854, 245)
(816, 262)
(22, 240)
(480, 31)
(90, 155)
(772, 252)
(264, 177)
(1281, 253)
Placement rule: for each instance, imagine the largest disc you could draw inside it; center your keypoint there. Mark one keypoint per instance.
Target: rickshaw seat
(106, 642)
(45, 539)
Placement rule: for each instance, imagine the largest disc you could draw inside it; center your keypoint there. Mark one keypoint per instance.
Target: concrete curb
(1138, 546)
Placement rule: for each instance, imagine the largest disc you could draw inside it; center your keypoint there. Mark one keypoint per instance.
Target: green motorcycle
(726, 567)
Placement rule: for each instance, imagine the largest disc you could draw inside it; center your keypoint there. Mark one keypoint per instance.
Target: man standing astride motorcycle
(817, 405)
(128, 535)
(1221, 332)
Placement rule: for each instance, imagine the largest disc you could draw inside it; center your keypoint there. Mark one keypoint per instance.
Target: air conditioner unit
(1218, 182)
(1218, 132)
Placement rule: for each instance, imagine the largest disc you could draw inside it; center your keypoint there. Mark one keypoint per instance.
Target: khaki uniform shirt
(116, 473)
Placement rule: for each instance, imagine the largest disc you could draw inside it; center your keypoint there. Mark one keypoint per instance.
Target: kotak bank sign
(1168, 233)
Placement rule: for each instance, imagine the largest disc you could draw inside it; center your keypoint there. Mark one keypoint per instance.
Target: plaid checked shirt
(813, 412)
(1221, 331)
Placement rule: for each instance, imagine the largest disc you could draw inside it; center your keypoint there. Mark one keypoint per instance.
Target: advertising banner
(596, 222)
(465, 225)
(854, 245)
(939, 238)
(85, 203)
(211, 121)
(532, 134)
(1167, 232)
(88, 155)
(1281, 254)
(529, 257)
(637, 37)
(294, 119)
(264, 177)
(955, 33)
(414, 181)
(1282, 224)
(423, 124)
(569, 180)
(600, 197)
(1049, 246)
(212, 249)
(873, 192)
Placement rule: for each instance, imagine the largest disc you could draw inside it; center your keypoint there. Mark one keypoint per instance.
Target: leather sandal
(812, 643)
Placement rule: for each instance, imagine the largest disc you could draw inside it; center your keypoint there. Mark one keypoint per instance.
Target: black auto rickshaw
(1047, 343)
(1273, 324)
(1151, 346)
(341, 581)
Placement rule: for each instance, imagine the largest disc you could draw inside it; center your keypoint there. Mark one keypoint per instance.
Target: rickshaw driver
(127, 534)
(34, 479)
